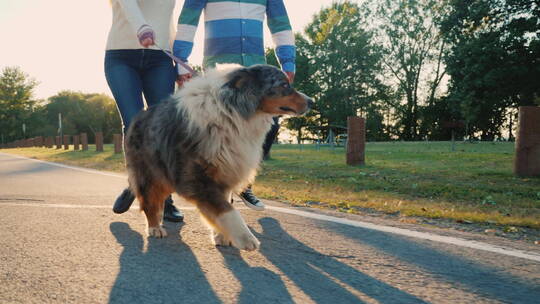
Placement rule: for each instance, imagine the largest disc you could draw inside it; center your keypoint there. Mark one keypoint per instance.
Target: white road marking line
(44, 205)
(68, 206)
(69, 167)
(415, 234)
(394, 230)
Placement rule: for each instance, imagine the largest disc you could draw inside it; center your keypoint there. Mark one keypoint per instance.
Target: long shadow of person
(168, 272)
(312, 271)
(468, 274)
(259, 285)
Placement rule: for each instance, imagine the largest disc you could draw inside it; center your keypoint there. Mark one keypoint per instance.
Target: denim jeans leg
(126, 87)
(270, 137)
(158, 78)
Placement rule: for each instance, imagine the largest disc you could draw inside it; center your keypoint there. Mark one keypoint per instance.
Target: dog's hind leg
(151, 198)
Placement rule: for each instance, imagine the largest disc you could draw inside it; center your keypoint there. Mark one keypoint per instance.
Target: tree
(16, 101)
(494, 61)
(345, 65)
(88, 113)
(412, 57)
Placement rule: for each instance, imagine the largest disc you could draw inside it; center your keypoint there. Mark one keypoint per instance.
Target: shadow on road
(167, 272)
(317, 275)
(259, 285)
(468, 275)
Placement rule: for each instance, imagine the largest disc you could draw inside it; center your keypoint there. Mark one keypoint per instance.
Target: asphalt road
(61, 243)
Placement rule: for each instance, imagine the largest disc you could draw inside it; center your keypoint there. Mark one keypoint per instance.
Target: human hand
(290, 75)
(181, 79)
(146, 36)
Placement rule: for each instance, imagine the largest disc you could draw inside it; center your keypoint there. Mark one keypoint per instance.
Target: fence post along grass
(356, 140)
(527, 157)
(39, 141)
(76, 143)
(66, 142)
(117, 139)
(84, 141)
(99, 141)
(58, 142)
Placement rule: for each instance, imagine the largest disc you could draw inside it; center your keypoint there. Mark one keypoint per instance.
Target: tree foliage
(494, 61)
(89, 113)
(346, 65)
(412, 57)
(16, 102)
(412, 68)
(338, 66)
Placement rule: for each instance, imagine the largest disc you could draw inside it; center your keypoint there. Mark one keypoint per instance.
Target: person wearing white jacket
(135, 65)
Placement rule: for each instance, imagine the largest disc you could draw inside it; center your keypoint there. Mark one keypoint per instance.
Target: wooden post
(66, 142)
(39, 141)
(58, 142)
(84, 141)
(527, 159)
(50, 142)
(76, 142)
(356, 140)
(117, 139)
(99, 141)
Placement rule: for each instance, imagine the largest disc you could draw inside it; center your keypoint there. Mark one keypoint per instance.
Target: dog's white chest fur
(225, 140)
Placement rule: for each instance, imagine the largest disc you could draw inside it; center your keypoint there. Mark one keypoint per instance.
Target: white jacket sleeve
(133, 14)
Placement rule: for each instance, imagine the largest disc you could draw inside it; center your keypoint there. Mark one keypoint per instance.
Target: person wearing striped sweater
(234, 34)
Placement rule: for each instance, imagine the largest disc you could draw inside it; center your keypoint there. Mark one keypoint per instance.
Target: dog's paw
(220, 240)
(246, 241)
(234, 227)
(157, 232)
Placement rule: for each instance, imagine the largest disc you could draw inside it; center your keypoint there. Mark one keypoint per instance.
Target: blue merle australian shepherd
(206, 143)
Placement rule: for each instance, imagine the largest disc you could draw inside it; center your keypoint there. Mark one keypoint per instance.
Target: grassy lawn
(475, 183)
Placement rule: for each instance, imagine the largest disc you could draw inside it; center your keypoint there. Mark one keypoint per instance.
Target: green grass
(473, 183)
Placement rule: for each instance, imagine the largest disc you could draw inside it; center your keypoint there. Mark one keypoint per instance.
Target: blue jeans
(132, 73)
(270, 137)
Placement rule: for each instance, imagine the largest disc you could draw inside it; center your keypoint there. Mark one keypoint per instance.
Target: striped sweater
(234, 32)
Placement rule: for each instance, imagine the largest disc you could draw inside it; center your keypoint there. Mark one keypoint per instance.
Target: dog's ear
(241, 93)
(240, 79)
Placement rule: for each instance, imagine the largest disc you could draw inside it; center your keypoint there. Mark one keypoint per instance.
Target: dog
(205, 143)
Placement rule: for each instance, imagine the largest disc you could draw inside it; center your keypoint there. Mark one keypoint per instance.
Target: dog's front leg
(226, 224)
(219, 239)
(233, 228)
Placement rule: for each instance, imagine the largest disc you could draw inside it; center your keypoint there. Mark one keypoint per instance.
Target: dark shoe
(123, 202)
(171, 213)
(251, 200)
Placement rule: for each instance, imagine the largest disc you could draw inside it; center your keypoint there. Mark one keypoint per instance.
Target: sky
(61, 43)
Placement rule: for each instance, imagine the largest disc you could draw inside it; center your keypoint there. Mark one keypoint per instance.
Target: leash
(178, 61)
